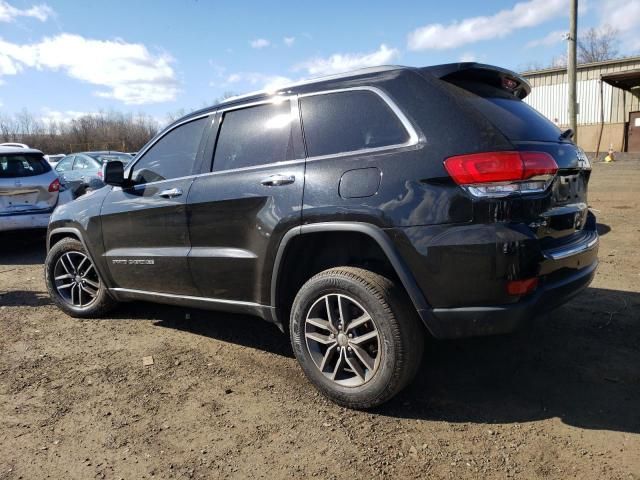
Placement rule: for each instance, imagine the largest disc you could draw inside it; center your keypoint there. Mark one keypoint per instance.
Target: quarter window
(255, 136)
(173, 156)
(349, 121)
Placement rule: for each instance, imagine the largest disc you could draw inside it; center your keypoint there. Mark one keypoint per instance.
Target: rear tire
(74, 283)
(356, 336)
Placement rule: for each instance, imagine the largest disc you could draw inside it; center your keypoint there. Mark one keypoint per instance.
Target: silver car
(29, 189)
(82, 172)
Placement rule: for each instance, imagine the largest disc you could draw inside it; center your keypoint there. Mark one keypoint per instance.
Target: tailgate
(563, 210)
(20, 195)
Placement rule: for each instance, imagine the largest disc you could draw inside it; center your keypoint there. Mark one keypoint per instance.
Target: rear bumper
(24, 221)
(493, 320)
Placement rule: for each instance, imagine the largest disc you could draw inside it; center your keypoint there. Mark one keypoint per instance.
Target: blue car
(82, 172)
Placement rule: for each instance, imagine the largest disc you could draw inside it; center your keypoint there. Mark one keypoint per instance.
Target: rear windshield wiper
(568, 133)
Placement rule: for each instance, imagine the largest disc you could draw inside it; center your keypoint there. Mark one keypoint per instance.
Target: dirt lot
(226, 399)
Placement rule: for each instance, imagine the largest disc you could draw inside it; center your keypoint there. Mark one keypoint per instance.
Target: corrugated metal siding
(551, 101)
(549, 94)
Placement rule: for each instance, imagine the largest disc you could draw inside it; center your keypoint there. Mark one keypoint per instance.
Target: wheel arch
(374, 233)
(60, 233)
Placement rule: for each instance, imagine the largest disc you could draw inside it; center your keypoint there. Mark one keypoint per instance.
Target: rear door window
(255, 136)
(15, 166)
(350, 121)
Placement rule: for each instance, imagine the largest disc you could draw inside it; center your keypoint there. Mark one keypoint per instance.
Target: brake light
(54, 186)
(522, 287)
(100, 173)
(499, 174)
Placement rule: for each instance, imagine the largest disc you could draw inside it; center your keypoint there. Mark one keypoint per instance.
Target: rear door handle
(171, 193)
(277, 180)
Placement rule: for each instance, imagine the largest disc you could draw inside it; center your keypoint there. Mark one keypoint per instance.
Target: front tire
(74, 283)
(356, 336)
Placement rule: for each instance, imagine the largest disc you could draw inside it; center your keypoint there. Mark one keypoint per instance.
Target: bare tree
(598, 44)
(100, 131)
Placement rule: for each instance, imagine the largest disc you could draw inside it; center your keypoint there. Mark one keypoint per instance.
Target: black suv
(356, 211)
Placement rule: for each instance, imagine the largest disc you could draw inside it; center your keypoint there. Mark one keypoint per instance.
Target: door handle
(277, 180)
(171, 193)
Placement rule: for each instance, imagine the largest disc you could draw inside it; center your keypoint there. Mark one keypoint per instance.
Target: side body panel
(146, 239)
(236, 222)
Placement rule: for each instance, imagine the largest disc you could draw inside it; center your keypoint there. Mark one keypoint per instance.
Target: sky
(63, 58)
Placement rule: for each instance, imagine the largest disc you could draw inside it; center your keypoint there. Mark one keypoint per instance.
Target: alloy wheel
(342, 339)
(76, 279)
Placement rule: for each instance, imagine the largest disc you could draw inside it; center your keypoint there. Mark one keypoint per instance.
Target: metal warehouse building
(608, 102)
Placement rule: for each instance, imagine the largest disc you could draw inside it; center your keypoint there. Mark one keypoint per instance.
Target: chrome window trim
(414, 137)
(284, 163)
(141, 186)
(254, 167)
(257, 103)
(188, 297)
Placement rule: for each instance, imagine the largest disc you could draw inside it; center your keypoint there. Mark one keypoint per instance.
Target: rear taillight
(498, 174)
(522, 287)
(54, 186)
(100, 173)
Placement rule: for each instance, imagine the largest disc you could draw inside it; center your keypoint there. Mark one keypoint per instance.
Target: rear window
(514, 118)
(14, 166)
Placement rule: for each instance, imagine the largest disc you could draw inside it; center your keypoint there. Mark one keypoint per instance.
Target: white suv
(29, 188)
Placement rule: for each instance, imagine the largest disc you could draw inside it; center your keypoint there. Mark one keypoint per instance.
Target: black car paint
(220, 244)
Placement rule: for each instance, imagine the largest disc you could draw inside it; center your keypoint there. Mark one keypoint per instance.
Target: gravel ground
(226, 399)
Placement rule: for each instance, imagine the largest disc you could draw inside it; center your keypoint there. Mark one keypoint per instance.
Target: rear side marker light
(498, 174)
(522, 287)
(54, 186)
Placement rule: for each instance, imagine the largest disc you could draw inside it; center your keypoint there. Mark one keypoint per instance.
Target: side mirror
(113, 173)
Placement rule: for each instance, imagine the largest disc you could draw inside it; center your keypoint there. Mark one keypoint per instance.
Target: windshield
(108, 157)
(14, 166)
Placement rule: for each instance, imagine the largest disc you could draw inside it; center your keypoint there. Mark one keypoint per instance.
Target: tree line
(99, 131)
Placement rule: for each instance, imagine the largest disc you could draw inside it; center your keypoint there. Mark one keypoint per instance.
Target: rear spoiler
(478, 72)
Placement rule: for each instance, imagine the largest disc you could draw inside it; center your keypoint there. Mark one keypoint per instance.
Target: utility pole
(571, 67)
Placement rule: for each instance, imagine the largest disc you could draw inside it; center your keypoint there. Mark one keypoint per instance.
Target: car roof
(102, 152)
(342, 80)
(9, 150)
(318, 83)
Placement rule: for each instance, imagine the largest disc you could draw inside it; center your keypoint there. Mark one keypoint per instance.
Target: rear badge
(133, 261)
(583, 160)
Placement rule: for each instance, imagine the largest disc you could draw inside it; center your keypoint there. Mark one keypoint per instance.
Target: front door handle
(171, 193)
(277, 180)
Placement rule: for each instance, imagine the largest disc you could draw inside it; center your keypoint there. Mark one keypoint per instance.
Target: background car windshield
(14, 166)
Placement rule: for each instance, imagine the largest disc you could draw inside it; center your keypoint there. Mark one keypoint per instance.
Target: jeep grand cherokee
(357, 212)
